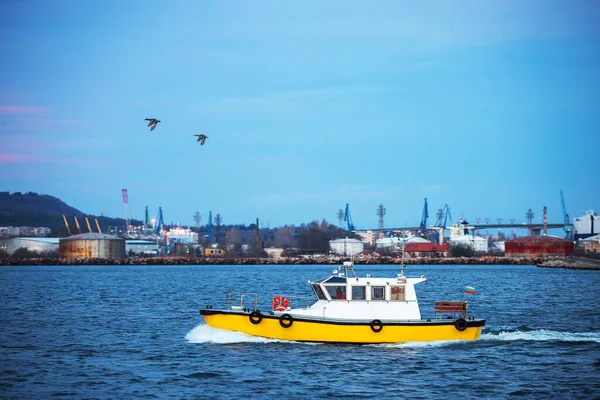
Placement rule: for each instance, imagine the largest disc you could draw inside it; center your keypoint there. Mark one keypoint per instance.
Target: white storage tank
(477, 243)
(346, 246)
(91, 245)
(395, 243)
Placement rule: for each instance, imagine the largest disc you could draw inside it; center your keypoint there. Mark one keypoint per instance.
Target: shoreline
(542, 262)
(577, 263)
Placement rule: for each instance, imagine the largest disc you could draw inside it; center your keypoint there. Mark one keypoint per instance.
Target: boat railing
(281, 303)
(233, 304)
(452, 308)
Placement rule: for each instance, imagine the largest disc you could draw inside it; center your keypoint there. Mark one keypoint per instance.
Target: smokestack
(257, 244)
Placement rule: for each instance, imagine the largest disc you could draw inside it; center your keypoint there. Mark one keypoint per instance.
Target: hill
(18, 203)
(32, 209)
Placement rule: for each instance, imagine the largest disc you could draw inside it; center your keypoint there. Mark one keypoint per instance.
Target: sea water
(124, 332)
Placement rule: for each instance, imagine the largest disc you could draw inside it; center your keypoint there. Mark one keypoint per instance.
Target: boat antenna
(348, 267)
(402, 263)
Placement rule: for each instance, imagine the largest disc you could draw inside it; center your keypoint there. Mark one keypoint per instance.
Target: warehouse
(37, 244)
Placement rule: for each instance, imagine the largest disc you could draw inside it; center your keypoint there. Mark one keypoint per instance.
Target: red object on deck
(451, 307)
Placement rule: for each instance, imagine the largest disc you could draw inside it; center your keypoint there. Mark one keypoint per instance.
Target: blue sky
(490, 107)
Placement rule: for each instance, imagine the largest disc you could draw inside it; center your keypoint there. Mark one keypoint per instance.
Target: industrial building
(368, 236)
(181, 235)
(590, 244)
(215, 251)
(37, 244)
(138, 247)
(346, 246)
(538, 246)
(9, 231)
(587, 225)
(427, 249)
(462, 234)
(395, 243)
(91, 245)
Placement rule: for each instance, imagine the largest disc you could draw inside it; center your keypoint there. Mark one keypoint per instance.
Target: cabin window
(337, 292)
(319, 292)
(378, 293)
(398, 293)
(359, 293)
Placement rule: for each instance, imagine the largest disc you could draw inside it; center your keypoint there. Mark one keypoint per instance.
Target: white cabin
(345, 297)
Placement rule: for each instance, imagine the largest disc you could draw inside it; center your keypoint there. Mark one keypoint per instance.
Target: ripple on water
(134, 332)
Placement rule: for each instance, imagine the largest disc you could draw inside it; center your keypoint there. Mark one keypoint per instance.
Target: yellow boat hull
(305, 329)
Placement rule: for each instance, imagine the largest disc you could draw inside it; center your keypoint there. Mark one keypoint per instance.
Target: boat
(348, 309)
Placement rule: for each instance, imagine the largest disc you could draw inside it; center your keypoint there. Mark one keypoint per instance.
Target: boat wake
(416, 345)
(206, 334)
(541, 335)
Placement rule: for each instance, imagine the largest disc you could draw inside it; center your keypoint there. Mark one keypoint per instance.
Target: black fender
(255, 317)
(376, 325)
(460, 324)
(286, 320)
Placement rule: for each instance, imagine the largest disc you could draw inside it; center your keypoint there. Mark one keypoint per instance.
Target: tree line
(314, 236)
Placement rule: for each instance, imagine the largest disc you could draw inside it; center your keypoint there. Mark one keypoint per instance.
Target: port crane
(424, 216)
(441, 222)
(159, 221)
(567, 221)
(210, 232)
(443, 215)
(77, 223)
(98, 225)
(348, 219)
(67, 225)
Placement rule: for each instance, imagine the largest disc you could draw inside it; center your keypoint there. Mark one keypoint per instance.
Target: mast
(403, 242)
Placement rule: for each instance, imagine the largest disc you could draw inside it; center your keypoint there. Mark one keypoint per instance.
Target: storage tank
(346, 247)
(536, 246)
(395, 243)
(91, 245)
(477, 243)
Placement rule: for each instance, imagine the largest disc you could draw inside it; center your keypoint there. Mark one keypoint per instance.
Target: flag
(470, 290)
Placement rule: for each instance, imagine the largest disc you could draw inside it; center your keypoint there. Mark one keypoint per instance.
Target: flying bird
(201, 139)
(152, 123)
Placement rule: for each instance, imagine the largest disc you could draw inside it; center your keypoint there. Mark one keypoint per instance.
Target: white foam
(418, 345)
(543, 335)
(206, 334)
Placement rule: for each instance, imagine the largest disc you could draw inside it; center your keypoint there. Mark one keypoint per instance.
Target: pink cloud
(32, 124)
(12, 109)
(16, 158)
